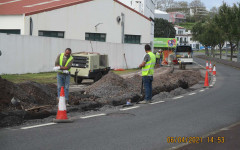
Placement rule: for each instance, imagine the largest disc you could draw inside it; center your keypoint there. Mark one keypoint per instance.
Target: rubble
(31, 100)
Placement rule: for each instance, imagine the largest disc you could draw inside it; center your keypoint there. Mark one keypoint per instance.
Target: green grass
(187, 25)
(44, 77)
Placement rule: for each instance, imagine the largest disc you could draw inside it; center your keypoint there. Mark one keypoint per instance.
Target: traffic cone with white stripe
(62, 110)
(207, 65)
(206, 83)
(210, 67)
(214, 71)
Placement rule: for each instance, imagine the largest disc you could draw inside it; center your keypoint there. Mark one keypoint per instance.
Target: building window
(57, 34)
(95, 37)
(133, 39)
(10, 31)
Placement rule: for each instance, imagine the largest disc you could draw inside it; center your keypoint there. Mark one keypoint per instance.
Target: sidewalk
(224, 139)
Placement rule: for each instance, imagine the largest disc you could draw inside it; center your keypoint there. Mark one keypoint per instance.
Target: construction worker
(158, 56)
(161, 57)
(63, 65)
(147, 66)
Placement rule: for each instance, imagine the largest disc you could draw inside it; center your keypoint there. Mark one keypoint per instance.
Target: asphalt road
(146, 127)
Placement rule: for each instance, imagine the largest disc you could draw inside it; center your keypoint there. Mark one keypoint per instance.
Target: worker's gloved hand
(65, 71)
(56, 68)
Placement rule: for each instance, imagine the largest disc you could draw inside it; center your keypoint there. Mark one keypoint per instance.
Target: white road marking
(191, 93)
(178, 97)
(92, 116)
(10, 2)
(36, 126)
(199, 64)
(129, 108)
(157, 102)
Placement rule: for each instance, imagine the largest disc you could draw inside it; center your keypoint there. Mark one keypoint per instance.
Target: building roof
(29, 7)
(156, 11)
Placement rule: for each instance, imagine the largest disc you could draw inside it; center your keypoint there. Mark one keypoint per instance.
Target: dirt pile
(113, 89)
(28, 95)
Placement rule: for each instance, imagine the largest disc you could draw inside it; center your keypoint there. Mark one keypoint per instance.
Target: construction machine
(89, 65)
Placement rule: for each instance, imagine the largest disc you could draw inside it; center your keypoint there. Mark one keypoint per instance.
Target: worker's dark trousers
(63, 80)
(147, 82)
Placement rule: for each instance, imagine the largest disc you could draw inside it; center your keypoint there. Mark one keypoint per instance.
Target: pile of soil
(110, 90)
(114, 90)
(27, 95)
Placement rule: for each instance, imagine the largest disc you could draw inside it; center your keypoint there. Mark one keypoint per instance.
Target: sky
(211, 3)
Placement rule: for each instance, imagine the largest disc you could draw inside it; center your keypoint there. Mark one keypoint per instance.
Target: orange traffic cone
(207, 65)
(206, 83)
(62, 110)
(214, 70)
(210, 67)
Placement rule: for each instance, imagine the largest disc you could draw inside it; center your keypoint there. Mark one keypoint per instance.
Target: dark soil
(110, 90)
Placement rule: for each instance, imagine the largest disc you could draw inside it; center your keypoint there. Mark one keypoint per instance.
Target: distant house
(162, 14)
(184, 37)
(177, 17)
(96, 20)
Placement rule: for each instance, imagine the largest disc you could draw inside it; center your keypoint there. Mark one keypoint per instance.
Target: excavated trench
(31, 100)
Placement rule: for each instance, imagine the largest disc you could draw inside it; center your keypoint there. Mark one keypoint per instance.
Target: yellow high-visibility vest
(61, 61)
(148, 69)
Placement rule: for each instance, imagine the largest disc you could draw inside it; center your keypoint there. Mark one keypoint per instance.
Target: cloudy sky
(211, 3)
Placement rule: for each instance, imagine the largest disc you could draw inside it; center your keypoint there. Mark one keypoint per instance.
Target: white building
(162, 14)
(184, 37)
(145, 7)
(96, 20)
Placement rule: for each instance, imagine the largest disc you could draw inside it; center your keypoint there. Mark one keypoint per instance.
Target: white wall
(32, 54)
(78, 19)
(12, 22)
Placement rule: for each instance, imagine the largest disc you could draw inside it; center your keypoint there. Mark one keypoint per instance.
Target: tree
(163, 28)
(227, 22)
(207, 34)
(164, 4)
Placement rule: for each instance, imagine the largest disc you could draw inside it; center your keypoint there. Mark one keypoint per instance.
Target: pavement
(223, 139)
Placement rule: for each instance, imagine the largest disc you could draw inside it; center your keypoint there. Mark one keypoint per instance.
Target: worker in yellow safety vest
(147, 66)
(63, 65)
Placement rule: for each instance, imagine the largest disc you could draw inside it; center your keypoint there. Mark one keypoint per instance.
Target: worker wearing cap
(63, 65)
(147, 66)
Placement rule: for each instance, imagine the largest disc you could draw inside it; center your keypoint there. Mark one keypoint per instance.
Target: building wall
(32, 54)
(12, 22)
(78, 19)
(163, 16)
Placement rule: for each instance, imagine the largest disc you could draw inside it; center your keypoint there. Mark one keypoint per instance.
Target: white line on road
(40, 125)
(199, 64)
(157, 102)
(129, 108)
(201, 90)
(191, 93)
(92, 116)
(178, 97)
